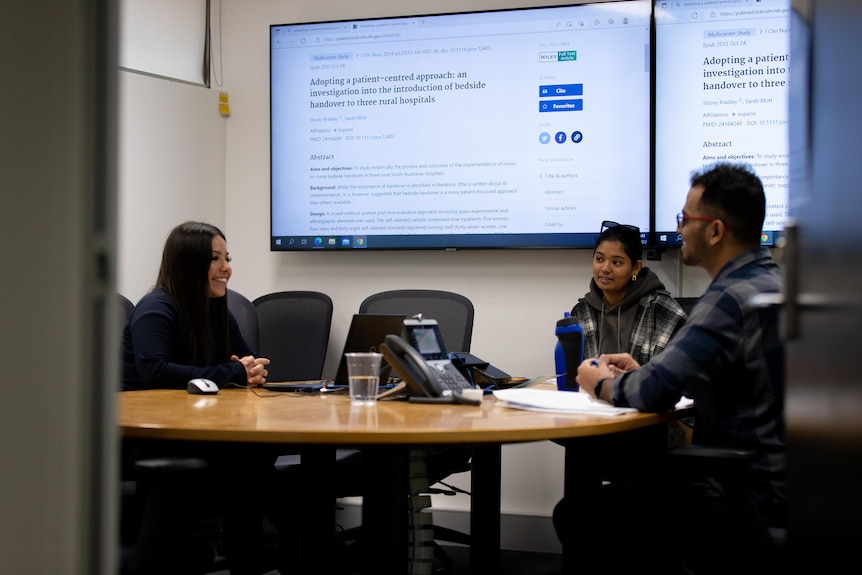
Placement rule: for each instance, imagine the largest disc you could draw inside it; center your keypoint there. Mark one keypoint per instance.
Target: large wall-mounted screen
(722, 73)
(497, 129)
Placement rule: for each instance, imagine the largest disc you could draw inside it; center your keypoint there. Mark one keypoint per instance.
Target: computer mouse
(202, 386)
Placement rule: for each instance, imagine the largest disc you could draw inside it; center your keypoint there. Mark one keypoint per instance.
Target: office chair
(157, 508)
(687, 303)
(166, 512)
(127, 463)
(454, 314)
(757, 541)
(166, 525)
(128, 523)
(764, 538)
(246, 316)
(294, 333)
(127, 307)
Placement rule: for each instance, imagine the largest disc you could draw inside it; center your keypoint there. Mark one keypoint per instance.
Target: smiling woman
(180, 333)
(220, 269)
(183, 329)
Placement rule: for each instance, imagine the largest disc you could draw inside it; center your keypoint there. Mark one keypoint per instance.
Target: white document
(557, 401)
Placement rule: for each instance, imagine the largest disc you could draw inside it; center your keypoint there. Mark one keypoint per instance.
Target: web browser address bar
(359, 36)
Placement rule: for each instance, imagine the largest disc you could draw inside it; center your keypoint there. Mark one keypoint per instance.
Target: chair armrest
(171, 465)
(717, 460)
(719, 453)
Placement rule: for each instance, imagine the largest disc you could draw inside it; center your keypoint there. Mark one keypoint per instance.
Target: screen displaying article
(722, 74)
(499, 129)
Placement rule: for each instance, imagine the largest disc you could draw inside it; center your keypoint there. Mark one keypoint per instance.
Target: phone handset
(426, 385)
(409, 365)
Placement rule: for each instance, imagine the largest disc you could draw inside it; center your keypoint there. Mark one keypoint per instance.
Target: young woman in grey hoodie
(627, 308)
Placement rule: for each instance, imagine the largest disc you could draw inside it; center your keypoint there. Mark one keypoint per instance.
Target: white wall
(180, 160)
(171, 169)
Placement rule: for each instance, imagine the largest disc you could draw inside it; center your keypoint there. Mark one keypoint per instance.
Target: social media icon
(560, 137)
(577, 137)
(544, 138)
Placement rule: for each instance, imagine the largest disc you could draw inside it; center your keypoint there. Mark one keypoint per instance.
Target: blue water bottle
(569, 352)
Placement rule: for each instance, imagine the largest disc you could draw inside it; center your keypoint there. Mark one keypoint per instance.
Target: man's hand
(590, 372)
(619, 362)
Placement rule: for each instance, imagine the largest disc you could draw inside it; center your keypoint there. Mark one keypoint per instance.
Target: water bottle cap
(568, 323)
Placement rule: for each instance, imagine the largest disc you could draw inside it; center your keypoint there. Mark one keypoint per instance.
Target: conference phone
(481, 373)
(420, 358)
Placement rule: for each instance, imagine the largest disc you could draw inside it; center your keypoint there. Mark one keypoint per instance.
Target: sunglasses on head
(607, 224)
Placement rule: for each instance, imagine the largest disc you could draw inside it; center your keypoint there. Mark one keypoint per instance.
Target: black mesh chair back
(294, 333)
(453, 312)
(246, 316)
(127, 462)
(687, 303)
(126, 305)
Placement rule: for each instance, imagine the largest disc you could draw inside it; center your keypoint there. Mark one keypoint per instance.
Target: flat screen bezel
(547, 239)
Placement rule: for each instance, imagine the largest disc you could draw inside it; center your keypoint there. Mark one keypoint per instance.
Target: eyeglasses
(609, 224)
(682, 218)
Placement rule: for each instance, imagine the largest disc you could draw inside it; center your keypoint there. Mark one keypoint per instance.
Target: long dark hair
(184, 277)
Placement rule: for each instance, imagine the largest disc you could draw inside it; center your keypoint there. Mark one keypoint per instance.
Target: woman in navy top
(183, 330)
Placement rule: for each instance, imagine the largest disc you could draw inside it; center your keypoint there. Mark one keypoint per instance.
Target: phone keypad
(452, 378)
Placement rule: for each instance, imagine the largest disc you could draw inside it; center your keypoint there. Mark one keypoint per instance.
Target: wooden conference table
(318, 423)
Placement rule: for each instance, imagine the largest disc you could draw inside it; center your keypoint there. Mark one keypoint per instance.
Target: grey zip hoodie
(614, 329)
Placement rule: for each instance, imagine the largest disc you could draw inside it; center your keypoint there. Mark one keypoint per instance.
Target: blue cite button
(558, 90)
(575, 105)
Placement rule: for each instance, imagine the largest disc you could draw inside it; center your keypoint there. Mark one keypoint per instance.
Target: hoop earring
(634, 278)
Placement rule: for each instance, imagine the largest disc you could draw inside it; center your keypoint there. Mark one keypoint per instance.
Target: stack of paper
(557, 401)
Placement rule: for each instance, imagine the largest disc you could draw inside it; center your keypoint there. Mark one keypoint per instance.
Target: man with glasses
(728, 358)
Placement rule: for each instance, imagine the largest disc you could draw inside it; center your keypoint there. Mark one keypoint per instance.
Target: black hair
(184, 277)
(734, 194)
(628, 236)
